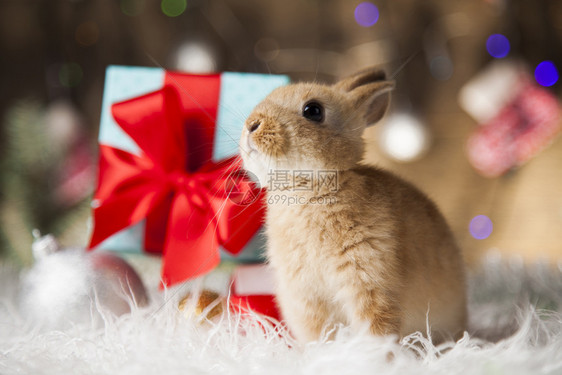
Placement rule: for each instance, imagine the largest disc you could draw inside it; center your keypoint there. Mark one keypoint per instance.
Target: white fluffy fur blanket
(515, 315)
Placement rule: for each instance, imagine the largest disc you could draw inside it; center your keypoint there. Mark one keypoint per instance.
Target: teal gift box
(224, 99)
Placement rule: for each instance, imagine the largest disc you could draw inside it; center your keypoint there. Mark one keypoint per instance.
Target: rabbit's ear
(370, 91)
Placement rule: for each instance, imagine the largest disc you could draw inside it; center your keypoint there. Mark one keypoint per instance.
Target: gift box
(252, 289)
(169, 178)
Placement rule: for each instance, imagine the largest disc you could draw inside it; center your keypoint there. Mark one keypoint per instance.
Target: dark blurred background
(54, 55)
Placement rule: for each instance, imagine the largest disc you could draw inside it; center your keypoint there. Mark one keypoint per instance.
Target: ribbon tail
(238, 224)
(238, 221)
(191, 247)
(122, 211)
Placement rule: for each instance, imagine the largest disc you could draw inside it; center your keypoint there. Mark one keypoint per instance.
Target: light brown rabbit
(348, 243)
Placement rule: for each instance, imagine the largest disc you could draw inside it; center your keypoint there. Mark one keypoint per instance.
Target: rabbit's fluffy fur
(373, 252)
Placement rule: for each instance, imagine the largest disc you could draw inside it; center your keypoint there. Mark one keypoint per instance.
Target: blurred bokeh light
(546, 73)
(481, 227)
(497, 45)
(173, 8)
(366, 14)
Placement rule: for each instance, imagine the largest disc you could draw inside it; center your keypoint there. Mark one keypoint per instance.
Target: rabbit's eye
(313, 111)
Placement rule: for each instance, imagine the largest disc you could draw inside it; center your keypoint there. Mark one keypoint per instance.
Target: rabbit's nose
(254, 126)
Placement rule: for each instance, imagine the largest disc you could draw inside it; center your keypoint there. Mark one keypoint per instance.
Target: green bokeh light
(173, 8)
(132, 7)
(70, 74)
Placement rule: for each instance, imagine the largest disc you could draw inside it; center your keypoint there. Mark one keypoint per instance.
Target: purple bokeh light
(497, 46)
(366, 14)
(546, 73)
(480, 227)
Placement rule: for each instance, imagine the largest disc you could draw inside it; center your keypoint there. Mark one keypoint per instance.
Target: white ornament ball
(403, 137)
(196, 57)
(73, 286)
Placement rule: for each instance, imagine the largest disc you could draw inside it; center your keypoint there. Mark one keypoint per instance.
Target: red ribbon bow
(188, 213)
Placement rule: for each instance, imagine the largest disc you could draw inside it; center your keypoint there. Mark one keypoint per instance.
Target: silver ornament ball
(73, 286)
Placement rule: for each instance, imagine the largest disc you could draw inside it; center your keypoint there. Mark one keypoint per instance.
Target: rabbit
(349, 244)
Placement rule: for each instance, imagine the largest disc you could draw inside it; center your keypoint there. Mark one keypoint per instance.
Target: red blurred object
(261, 304)
(521, 129)
(76, 176)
